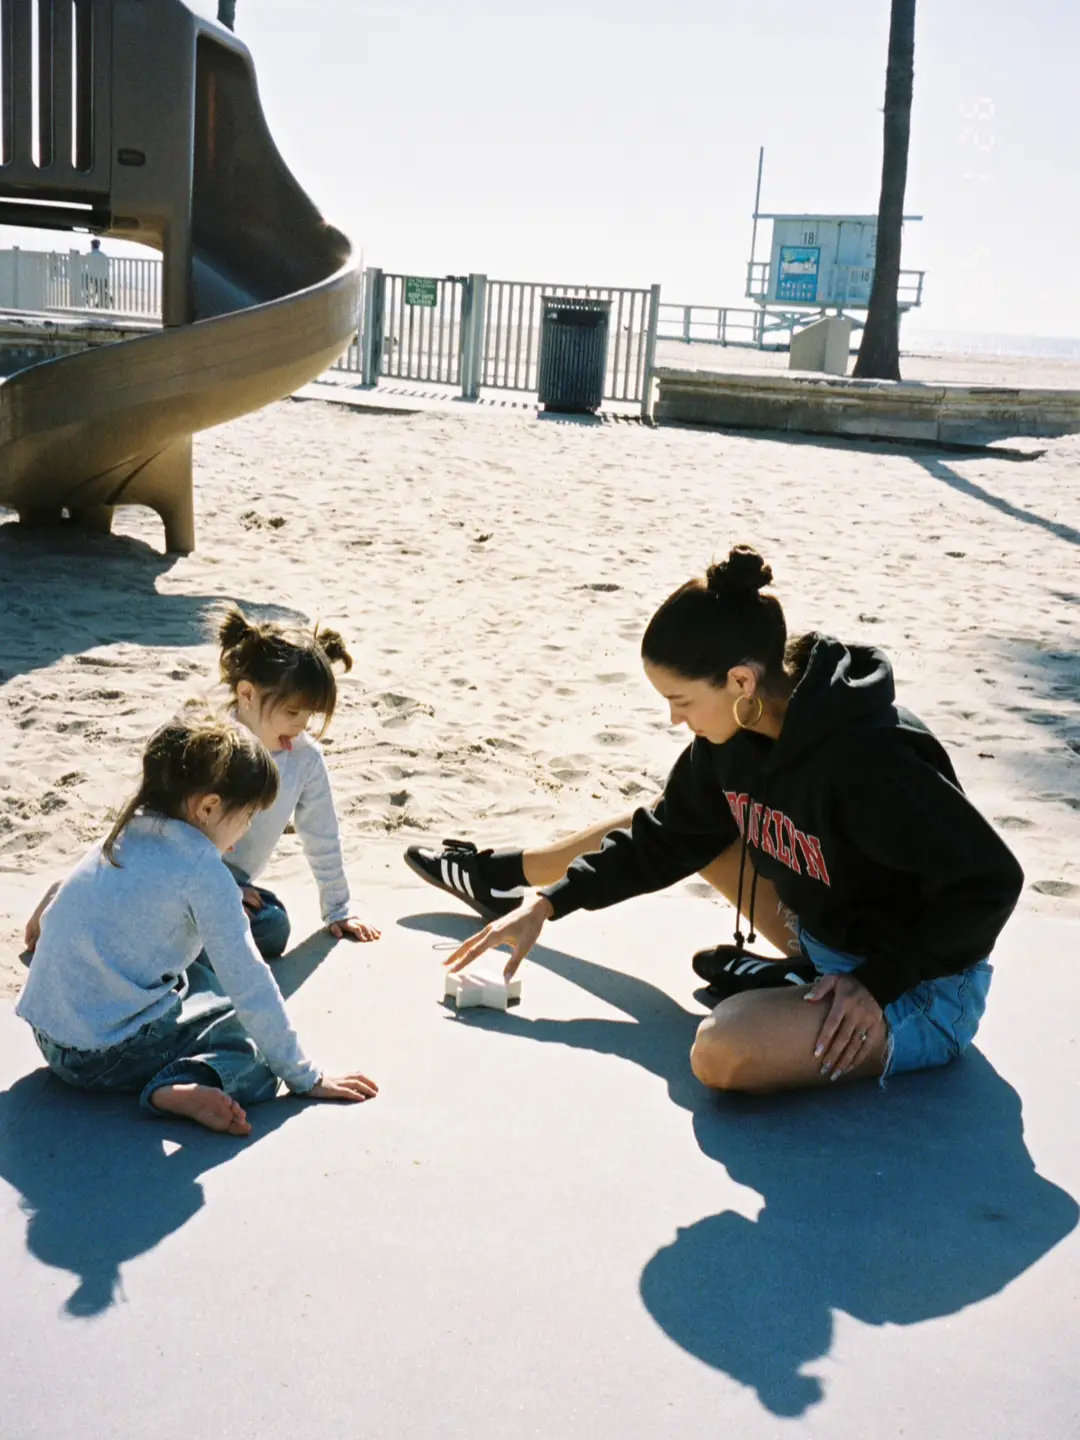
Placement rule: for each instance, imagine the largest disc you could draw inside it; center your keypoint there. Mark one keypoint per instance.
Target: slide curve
(273, 299)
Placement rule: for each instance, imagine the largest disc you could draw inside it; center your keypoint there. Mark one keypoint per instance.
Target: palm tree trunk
(879, 353)
(226, 13)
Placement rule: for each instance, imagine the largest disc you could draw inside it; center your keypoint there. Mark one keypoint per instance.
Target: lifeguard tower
(818, 264)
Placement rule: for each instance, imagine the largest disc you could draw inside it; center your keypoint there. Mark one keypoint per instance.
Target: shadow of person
(99, 1184)
(301, 962)
(64, 591)
(893, 1208)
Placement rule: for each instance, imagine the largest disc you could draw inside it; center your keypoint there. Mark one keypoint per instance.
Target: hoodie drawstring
(740, 939)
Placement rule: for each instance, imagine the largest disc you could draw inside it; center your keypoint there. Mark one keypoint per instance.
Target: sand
(995, 371)
(494, 573)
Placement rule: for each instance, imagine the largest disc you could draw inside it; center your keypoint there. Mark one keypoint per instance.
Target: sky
(616, 141)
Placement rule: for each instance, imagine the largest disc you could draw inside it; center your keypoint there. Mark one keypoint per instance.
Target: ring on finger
(864, 1035)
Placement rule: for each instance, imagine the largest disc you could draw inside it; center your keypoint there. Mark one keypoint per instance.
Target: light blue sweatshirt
(115, 940)
(304, 796)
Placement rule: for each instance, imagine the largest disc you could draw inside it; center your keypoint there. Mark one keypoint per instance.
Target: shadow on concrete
(301, 962)
(64, 591)
(91, 1206)
(938, 470)
(895, 1207)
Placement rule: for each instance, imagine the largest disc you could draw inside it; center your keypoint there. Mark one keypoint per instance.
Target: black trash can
(573, 353)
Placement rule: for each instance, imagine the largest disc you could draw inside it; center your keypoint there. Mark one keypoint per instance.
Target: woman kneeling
(806, 786)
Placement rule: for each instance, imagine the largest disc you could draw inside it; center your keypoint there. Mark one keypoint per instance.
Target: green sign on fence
(421, 291)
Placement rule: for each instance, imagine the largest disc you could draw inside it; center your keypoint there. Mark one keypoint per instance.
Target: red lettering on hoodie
(738, 805)
(783, 854)
(810, 846)
(789, 854)
(772, 832)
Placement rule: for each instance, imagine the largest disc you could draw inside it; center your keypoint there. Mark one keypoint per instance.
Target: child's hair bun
(234, 628)
(333, 647)
(744, 572)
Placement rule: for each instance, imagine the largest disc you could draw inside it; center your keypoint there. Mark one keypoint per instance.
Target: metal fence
(512, 335)
(480, 333)
(854, 281)
(422, 341)
(51, 280)
(713, 325)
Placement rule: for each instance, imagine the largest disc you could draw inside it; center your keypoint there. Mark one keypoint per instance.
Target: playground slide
(272, 295)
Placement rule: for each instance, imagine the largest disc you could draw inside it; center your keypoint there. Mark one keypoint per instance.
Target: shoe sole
(480, 909)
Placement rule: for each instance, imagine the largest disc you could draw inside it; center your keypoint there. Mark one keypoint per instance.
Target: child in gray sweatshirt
(145, 975)
(278, 682)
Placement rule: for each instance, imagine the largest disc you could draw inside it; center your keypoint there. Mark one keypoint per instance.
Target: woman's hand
(353, 929)
(855, 1021)
(352, 1087)
(519, 930)
(32, 934)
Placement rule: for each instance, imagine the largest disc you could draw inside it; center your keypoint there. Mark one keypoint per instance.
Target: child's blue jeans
(199, 1041)
(269, 925)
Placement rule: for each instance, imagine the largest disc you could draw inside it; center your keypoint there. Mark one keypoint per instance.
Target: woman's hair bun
(744, 572)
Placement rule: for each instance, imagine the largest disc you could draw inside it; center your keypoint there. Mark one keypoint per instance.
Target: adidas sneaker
(727, 970)
(458, 868)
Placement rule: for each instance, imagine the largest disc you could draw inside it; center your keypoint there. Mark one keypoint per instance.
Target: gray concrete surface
(544, 1227)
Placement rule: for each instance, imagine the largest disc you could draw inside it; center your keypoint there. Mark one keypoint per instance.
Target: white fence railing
(480, 333)
(51, 280)
(511, 357)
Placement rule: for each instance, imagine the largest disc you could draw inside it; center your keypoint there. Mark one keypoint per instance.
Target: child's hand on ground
(353, 929)
(252, 899)
(352, 1087)
(32, 933)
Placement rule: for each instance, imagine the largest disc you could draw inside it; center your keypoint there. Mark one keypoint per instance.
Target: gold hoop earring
(748, 724)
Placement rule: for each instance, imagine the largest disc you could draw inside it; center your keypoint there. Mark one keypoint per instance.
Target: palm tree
(226, 13)
(879, 353)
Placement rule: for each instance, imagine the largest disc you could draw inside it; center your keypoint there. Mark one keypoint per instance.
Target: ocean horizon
(974, 344)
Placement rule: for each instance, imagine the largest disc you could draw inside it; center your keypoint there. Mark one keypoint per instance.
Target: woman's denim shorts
(928, 1026)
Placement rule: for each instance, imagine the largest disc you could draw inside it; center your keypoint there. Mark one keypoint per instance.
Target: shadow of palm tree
(938, 470)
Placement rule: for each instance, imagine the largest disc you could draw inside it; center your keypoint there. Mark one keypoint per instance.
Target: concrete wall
(889, 410)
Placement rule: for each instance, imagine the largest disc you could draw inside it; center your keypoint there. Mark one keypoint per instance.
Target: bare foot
(204, 1104)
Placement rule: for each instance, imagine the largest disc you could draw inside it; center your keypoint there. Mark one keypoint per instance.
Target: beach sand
(494, 573)
(995, 371)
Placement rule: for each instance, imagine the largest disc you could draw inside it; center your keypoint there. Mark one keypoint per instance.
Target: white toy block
(469, 987)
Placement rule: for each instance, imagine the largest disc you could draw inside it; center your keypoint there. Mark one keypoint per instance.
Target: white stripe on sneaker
(446, 875)
(467, 883)
(515, 894)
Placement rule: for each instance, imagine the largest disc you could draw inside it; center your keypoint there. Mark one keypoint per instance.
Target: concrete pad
(544, 1226)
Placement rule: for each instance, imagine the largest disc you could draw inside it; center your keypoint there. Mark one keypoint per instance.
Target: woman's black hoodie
(856, 815)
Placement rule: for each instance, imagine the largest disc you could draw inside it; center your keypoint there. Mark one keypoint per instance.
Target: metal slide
(150, 128)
